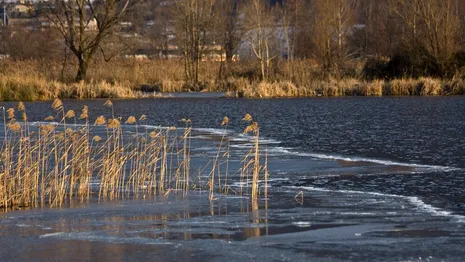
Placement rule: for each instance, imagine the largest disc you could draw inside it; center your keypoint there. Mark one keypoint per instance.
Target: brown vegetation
(56, 163)
(45, 80)
(260, 48)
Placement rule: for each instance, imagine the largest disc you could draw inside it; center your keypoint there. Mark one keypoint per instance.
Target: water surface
(382, 180)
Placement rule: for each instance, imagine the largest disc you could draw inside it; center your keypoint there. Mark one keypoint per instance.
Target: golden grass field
(33, 80)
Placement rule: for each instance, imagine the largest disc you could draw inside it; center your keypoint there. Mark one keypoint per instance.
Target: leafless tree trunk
(407, 11)
(261, 28)
(84, 24)
(441, 22)
(227, 31)
(291, 24)
(437, 20)
(291, 27)
(333, 22)
(193, 19)
(228, 26)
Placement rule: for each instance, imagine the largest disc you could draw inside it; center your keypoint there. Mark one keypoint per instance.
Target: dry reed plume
(60, 161)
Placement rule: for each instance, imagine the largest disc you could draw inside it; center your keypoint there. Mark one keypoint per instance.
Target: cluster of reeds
(252, 166)
(56, 162)
(21, 88)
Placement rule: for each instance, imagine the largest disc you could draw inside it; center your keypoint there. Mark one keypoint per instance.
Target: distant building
(21, 9)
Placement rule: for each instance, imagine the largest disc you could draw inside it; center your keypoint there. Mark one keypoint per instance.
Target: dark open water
(383, 179)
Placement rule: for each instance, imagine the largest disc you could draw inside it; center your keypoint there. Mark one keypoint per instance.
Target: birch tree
(261, 26)
(333, 22)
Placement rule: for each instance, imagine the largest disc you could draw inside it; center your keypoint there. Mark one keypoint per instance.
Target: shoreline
(43, 80)
(43, 90)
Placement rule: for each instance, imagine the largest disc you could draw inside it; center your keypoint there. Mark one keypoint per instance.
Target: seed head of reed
(143, 140)
(47, 128)
(142, 117)
(225, 121)
(57, 104)
(247, 118)
(21, 106)
(113, 123)
(85, 113)
(100, 121)
(131, 120)
(4, 154)
(108, 103)
(83, 116)
(61, 136)
(49, 118)
(70, 114)
(171, 128)
(251, 128)
(69, 131)
(153, 134)
(97, 139)
(11, 113)
(24, 116)
(14, 126)
(184, 120)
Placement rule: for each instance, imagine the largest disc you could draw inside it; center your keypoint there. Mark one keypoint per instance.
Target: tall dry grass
(19, 88)
(61, 161)
(130, 78)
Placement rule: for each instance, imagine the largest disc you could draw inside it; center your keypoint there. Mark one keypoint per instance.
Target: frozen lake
(379, 179)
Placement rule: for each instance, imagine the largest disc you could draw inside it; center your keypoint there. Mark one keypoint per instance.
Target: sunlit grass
(61, 161)
(32, 80)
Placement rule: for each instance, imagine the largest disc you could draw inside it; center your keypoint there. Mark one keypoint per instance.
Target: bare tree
(25, 44)
(304, 37)
(152, 21)
(333, 23)
(85, 24)
(375, 29)
(434, 24)
(193, 20)
(261, 27)
(227, 31)
(407, 11)
(291, 24)
(441, 23)
(227, 26)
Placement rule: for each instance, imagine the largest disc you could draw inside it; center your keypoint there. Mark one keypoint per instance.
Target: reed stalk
(56, 163)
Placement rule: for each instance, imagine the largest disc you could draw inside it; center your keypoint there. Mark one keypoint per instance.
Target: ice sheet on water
(103, 237)
(302, 223)
(415, 201)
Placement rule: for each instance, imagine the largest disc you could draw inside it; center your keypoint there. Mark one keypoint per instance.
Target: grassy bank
(46, 80)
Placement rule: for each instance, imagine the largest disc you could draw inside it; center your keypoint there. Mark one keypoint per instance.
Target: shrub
(413, 63)
(375, 68)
